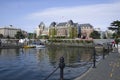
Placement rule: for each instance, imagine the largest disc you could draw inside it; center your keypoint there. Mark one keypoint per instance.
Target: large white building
(41, 30)
(65, 29)
(10, 31)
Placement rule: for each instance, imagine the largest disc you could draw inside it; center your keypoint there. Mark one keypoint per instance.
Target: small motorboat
(29, 46)
(40, 45)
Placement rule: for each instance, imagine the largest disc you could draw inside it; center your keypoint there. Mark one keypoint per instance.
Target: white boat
(39, 46)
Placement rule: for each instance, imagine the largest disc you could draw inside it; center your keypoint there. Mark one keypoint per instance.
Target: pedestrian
(113, 43)
(113, 46)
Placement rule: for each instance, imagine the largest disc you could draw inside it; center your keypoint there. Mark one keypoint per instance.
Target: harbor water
(37, 64)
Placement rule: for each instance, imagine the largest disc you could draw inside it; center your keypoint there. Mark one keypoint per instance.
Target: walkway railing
(62, 64)
(51, 73)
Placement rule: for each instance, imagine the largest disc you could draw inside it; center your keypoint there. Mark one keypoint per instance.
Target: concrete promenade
(106, 69)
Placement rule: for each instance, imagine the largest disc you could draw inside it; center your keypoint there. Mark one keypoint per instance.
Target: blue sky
(27, 14)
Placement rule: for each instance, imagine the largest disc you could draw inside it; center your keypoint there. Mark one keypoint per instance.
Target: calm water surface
(37, 64)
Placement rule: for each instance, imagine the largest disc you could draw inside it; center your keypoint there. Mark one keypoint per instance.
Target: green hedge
(70, 41)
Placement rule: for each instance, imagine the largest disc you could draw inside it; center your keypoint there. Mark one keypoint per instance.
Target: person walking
(113, 46)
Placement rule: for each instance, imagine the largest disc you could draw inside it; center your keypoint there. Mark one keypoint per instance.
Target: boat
(40, 45)
(29, 46)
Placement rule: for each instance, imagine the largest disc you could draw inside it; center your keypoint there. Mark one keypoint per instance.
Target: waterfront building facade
(10, 31)
(86, 30)
(42, 30)
(67, 29)
(52, 30)
(63, 29)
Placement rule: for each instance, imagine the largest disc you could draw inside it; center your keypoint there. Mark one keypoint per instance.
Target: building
(63, 29)
(10, 31)
(86, 30)
(67, 29)
(42, 30)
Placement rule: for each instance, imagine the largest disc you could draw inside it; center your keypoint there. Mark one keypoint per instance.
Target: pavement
(106, 69)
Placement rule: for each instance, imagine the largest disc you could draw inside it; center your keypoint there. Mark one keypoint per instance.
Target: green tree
(73, 32)
(52, 32)
(95, 35)
(115, 26)
(114, 35)
(31, 35)
(43, 37)
(19, 35)
(1, 35)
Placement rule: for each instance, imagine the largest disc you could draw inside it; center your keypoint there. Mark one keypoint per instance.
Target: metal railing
(62, 64)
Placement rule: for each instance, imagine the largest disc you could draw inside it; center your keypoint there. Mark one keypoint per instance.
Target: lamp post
(61, 66)
(94, 56)
(103, 52)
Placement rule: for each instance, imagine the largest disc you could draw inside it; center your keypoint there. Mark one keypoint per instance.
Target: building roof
(86, 25)
(70, 22)
(10, 28)
(53, 24)
(41, 25)
(62, 24)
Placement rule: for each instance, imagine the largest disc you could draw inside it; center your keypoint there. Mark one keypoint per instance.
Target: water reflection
(9, 52)
(38, 63)
(71, 55)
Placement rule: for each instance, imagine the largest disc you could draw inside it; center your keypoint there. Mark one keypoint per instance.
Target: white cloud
(99, 15)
